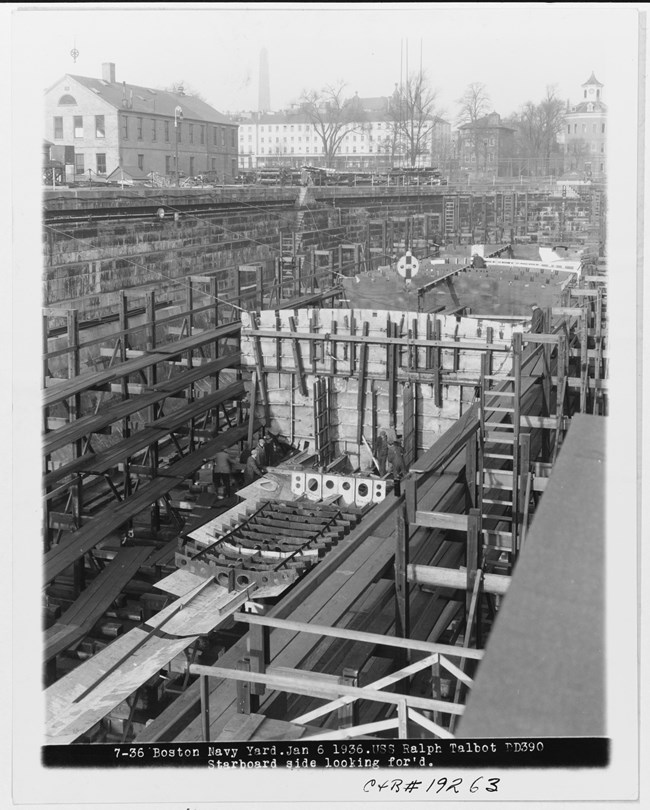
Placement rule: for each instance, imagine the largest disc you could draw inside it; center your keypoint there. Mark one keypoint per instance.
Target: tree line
(410, 118)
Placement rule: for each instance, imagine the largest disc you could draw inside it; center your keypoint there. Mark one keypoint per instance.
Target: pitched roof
(152, 102)
(127, 171)
(592, 80)
(491, 121)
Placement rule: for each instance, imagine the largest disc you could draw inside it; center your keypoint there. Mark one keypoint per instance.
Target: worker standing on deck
(478, 261)
(537, 320)
(381, 452)
(254, 469)
(222, 471)
(395, 457)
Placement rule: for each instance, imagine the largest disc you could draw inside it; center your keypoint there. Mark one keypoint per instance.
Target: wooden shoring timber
(321, 597)
(360, 637)
(261, 377)
(402, 342)
(88, 608)
(361, 384)
(95, 422)
(456, 579)
(97, 463)
(437, 364)
(297, 357)
(402, 598)
(89, 381)
(316, 685)
(81, 541)
(381, 683)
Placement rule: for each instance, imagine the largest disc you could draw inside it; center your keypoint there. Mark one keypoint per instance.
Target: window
(67, 99)
(602, 149)
(191, 130)
(602, 128)
(141, 162)
(202, 133)
(78, 163)
(575, 128)
(154, 128)
(214, 164)
(168, 164)
(232, 137)
(58, 128)
(125, 127)
(223, 136)
(139, 129)
(584, 127)
(262, 150)
(214, 135)
(100, 127)
(568, 129)
(78, 126)
(166, 131)
(191, 167)
(101, 163)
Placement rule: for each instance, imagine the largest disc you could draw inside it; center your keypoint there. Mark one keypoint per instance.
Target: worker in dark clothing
(253, 470)
(221, 472)
(478, 261)
(537, 320)
(381, 452)
(395, 458)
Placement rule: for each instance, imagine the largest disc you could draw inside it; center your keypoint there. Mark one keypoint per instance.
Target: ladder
(498, 467)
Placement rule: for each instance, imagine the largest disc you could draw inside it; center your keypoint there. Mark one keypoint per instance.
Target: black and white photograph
(325, 325)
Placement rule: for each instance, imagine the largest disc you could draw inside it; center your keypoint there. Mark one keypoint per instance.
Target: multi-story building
(485, 146)
(585, 132)
(290, 138)
(99, 125)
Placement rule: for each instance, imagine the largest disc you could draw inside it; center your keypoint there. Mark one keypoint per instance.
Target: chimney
(108, 72)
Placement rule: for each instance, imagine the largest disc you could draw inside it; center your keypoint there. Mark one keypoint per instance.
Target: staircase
(499, 428)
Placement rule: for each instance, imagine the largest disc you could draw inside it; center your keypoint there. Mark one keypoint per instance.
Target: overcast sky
(516, 50)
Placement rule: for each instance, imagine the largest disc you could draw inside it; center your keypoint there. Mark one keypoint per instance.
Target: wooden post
(348, 714)
(361, 382)
(524, 468)
(473, 563)
(471, 471)
(74, 412)
(153, 410)
(259, 654)
(437, 365)
(584, 358)
(190, 306)
(402, 618)
(247, 702)
(297, 358)
(205, 707)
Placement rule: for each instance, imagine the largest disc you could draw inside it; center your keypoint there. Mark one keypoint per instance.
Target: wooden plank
(81, 541)
(67, 720)
(311, 598)
(441, 520)
(96, 379)
(93, 423)
(88, 608)
(358, 636)
(438, 577)
(381, 683)
(322, 688)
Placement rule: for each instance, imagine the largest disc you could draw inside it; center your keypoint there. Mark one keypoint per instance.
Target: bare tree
(333, 116)
(412, 111)
(537, 127)
(183, 88)
(474, 104)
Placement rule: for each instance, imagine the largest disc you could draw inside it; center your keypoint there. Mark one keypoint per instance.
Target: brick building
(289, 138)
(485, 146)
(99, 125)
